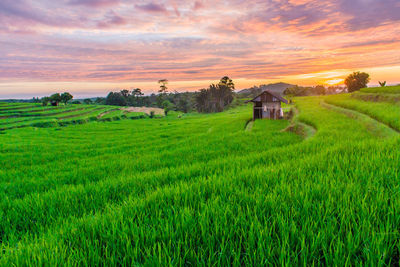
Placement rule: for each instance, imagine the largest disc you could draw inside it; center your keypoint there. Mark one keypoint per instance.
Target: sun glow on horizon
(53, 49)
(334, 82)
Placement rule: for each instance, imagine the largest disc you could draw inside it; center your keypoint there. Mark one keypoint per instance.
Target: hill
(204, 189)
(256, 90)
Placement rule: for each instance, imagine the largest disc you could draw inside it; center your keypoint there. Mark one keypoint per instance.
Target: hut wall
(268, 106)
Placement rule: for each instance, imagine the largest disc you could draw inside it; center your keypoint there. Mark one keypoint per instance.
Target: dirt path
(147, 110)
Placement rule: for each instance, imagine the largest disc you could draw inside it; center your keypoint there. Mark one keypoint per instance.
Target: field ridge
(372, 124)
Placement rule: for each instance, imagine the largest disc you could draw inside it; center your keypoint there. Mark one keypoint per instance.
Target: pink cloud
(152, 8)
(171, 38)
(94, 3)
(112, 19)
(198, 5)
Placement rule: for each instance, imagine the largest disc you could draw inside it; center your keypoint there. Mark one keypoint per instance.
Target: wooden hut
(268, 105)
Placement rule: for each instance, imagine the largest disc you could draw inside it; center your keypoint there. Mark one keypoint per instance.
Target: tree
(202, 100)
(100, 100)
(167, 106)
(216, 97)
(125, 93)
(320, 90)
(137, 92)
(163, 86)
(295, 91)
(88, 101)
(115, 99)
(65, 97)
(226, 81)
(382, 84)
(45, 101)
(134, 98)
(356, 81)
(55, 99)
(225, 92)
(184, 103)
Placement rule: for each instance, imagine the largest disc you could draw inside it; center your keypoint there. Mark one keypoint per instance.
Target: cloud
(94, 3)
(111, 19)
(312, 17)
(198, 5)
(369, 13)
(115, 40)
(152, 8)
(21, 9)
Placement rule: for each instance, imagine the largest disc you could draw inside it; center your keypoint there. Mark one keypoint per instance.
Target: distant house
(268, 105)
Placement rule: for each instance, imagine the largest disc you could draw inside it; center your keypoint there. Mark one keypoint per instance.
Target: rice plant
(202, 190)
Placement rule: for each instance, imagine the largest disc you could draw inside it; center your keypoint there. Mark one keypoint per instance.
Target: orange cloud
(116, 44)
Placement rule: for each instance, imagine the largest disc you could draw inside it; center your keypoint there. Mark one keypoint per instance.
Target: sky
(92, 47)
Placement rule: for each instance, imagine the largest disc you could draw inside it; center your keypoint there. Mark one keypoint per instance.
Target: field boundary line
(298, 127)
(106, 112)
(91, 110)
(249, 125)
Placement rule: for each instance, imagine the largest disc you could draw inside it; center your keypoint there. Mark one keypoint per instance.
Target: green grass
(377, 97)
(28, 115)
(113, 115)
(386, 90)
(384, 112)
(136, 115)
(373, 125)
(17, 106)
(200, 190)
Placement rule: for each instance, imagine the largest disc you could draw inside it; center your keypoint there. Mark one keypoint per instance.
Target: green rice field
(21, 115)
(386, 90)
(322, 188)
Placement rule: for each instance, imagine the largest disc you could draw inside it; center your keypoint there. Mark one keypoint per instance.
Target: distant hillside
(274, 87)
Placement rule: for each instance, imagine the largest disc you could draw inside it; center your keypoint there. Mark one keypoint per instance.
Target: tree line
(56, 98)
(216, 98)
(311, 91)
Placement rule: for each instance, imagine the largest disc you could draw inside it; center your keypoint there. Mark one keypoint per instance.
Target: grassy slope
(200, 189)
(388, 113)
(386, 89)
(377, 97)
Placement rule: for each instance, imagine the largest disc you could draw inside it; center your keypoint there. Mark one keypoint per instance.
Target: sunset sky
(91, 47)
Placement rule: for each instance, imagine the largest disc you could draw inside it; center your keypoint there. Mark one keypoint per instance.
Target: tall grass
(387, 113)
(386, 89)
(200, 190)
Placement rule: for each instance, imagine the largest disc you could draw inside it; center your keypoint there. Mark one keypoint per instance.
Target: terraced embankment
(384, 112)
(20, 115)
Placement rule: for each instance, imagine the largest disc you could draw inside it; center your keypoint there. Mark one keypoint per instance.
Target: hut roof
(273, 94)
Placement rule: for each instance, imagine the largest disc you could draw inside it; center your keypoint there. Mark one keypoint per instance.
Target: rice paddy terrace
(322, 189)
(20, 115)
